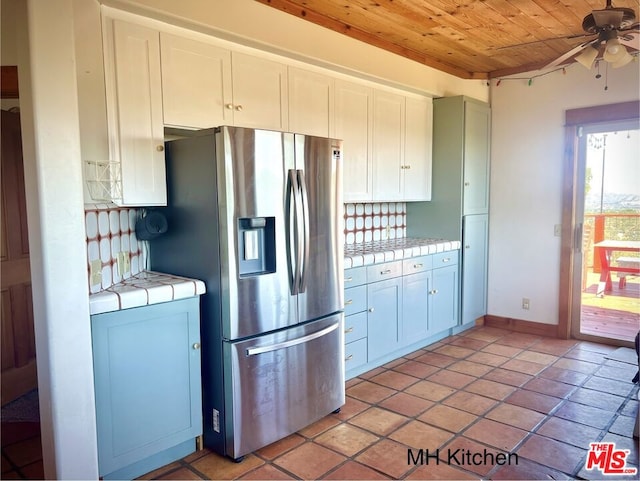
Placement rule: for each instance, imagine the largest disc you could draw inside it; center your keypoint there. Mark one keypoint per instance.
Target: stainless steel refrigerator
(257, 216)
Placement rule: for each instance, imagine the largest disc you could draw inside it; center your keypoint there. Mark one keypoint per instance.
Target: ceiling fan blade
(631, 28)
(571, 53)
(633, 42)
(570, 37)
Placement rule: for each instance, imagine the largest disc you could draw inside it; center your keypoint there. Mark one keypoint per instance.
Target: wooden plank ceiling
(466, 38)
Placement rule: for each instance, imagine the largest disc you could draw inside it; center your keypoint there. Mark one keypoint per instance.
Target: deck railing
(601, 226)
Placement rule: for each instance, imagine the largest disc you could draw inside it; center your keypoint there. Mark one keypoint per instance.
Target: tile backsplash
(368, 222)
(111, 230)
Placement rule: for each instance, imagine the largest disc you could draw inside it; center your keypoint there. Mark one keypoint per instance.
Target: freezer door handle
(293, 342)
(302, 184)
(296, 244)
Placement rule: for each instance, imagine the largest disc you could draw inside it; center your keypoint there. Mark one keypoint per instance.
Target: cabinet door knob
(467, 247)
(239, 108)
(446, 259)
(433, 291)
(196, 345)
(160, 148)
(417, 266)
(407, 166)
(371, 309)
(467, 184)
(229, 106)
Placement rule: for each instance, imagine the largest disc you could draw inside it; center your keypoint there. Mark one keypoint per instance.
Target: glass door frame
(577, 120)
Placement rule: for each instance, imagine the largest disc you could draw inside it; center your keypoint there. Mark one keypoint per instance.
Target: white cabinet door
(196, 83)
(259, 93)
(310, 102)
(134, 111)
(388, 145)
(352, 124)
(417, 151)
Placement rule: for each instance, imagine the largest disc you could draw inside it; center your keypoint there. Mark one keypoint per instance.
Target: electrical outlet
(121, 263)
(95, 272)
(126, 262)
(557, 230)
(525, 303)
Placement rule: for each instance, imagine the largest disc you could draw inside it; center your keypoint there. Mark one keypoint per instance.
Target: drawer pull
(417, 266)
(446, 259)
(371, 309)
(387, 271)
(349, 302)
(348, 358)
(348, 279)
(348, 330)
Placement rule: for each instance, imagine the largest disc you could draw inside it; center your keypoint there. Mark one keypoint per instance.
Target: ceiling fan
(614, 27)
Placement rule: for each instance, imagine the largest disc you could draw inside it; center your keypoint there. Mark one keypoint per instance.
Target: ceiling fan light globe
(614, 52)
(587, 57)
(623, 61)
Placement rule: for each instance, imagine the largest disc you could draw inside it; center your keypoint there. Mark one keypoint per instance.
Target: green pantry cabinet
(394, 308)
(147, 386)
(459, 207)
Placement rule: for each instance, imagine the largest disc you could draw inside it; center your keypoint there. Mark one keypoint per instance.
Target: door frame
(571, 225)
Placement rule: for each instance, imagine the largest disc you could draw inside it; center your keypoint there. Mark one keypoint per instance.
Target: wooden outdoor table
(604, 249)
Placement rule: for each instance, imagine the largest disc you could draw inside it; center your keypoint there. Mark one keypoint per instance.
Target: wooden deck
(617, 314)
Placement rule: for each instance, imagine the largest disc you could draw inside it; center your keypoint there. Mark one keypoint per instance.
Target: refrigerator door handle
(306, 243)
(253, 351)
(294, 226)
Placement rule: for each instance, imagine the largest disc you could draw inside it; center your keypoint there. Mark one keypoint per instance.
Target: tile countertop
(143, 289)
(356, 255)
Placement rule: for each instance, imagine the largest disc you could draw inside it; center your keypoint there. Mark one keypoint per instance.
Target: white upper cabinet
(418, 148)
(196, 83)
(204, 85)
(353, 124)
(388, 145)
(259, 93)
(402, 137)
(134, 113)
(159, 75)
(310, 102)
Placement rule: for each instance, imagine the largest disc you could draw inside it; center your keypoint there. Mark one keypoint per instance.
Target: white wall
(526, 181)
(43, 46)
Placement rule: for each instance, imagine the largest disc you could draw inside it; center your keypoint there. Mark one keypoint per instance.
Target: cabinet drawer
(355, 354)
(355, 277)
(445, 259)
(355, 327)
(355, 300)
(416, 264)
(380, 272)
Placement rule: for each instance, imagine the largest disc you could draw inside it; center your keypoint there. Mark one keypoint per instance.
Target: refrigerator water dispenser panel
(256, 246)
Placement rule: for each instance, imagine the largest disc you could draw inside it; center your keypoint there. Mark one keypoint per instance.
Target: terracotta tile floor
(485, 390)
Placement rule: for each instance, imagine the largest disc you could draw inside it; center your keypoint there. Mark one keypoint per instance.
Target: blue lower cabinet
(147, 386)
(444, 298)
(384, 317)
